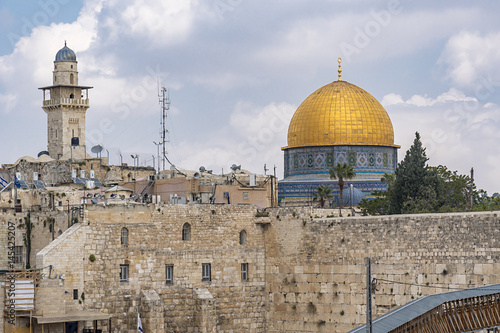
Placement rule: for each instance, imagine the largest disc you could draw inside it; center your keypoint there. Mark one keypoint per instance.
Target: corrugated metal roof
(409, 311)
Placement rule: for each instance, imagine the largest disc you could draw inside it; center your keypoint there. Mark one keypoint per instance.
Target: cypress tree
(411, 176)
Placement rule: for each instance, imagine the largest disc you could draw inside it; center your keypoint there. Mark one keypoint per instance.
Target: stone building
(338, 123)
(229, 268)
(189, 187)
(66, 104)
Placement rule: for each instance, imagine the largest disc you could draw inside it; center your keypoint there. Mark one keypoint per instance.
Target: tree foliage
(323, 193)
(416, 187)
(341, 172)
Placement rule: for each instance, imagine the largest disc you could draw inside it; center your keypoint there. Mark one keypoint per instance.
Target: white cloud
(391, 99)
(253, 137)
(470, 57)
(160, 22)
(28, 62)
(223, 81)
(452, 95)
(8, 102)
(363, 36)
(458, 132)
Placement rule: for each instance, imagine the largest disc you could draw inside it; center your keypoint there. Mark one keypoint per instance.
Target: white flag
(139, 324)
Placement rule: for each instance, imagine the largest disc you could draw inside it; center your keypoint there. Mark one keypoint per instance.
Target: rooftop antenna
(165, 106)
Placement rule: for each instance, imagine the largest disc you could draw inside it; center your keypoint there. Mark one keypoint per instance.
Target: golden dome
(340, 113)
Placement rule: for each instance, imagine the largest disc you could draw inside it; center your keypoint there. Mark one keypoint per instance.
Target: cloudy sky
(236, 71)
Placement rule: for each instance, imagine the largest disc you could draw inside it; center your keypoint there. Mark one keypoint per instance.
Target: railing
(65, 101)
(20, 292)
(462, 315)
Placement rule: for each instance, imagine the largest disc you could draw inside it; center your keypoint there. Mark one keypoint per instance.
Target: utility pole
(272, 190)
(471, 189)
(273, 181)
(368, 297)
(165, 106)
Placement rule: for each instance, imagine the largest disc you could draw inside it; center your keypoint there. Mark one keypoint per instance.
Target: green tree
(323, 193)
(411, 177)
(341, 172)
(379, 205)
(454, 190)
(416, 187)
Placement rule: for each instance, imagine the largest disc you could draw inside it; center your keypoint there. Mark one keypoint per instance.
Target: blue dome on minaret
(65, 54)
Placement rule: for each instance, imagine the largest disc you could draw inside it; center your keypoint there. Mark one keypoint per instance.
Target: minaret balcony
(66, 101)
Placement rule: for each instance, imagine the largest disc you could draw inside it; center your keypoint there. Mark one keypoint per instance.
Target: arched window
(71, 79)
(186, 232)
(124, 236)
(71, 96)
(243, 237)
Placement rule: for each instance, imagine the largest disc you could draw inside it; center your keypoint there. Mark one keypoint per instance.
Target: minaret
(66, 103)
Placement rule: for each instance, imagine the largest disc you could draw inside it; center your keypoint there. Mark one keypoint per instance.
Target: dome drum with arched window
(338, 123)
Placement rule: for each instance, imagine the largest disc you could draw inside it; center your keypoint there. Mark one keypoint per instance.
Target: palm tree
(388, 178)
(323, 193)
(342, 171)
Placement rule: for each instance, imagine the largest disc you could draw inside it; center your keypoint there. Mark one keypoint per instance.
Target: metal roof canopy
(430, 303)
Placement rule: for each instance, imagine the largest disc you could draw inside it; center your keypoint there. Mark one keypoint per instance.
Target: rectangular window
(75, 293)
(169, 274)
(206, 274)
(123, 273)
(18, 255)
(244, 272)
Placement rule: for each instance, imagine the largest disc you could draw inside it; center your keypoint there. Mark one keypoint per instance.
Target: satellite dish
(97, 149)
(94, 201)
(89, 195)
(209, 171)
(43, 152)
(202, 169)
(122, 196)
(172, 167)
(133, 195)
(196, 175)
(97, 195)
(235, 167)
(113, 195)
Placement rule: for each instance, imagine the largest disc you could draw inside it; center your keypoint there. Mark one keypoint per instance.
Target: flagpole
(139, 323)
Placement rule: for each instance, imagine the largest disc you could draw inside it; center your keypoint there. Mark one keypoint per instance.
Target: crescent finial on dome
(339, 60)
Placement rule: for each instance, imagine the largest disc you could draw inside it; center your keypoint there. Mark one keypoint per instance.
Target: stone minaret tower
(66, 103)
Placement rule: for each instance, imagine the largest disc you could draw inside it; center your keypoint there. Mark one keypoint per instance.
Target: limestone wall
(155, 240)
(5, 218)
(306, 270)
(316, 267)
(62, 264)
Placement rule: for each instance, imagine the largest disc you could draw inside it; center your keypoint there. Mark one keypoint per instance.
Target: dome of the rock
(340, 113)
(339, 123)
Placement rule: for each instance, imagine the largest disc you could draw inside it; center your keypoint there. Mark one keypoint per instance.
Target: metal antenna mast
(165, 106)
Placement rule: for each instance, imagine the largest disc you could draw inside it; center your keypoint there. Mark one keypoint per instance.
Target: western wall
(306, 271)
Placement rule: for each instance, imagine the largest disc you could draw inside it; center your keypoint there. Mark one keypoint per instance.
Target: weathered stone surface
(306, 274)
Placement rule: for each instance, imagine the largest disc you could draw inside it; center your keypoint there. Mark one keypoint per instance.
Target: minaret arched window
(71, 79)
(71, 96)
(186, 232)
(124, 236)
